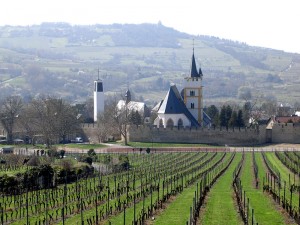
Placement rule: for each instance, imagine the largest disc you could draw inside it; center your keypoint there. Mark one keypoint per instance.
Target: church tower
(192, 92)
(98, 97)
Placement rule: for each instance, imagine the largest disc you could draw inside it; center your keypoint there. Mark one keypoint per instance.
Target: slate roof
(157, 106)
(194, 72)
(206, 119)
(173, 104)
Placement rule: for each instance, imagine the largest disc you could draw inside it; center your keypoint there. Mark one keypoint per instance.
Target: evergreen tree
(233, 119)
(228, 114)
(240, 119)
(213, 112)
(223, 121)
(138, 118)
(135, 118)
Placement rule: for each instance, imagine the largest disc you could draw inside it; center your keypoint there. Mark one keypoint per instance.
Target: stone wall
(280, 133)
(233, 137)
(90, 133)
(286, 133)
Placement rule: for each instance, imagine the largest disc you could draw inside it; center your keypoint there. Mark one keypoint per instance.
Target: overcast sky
(265, 23)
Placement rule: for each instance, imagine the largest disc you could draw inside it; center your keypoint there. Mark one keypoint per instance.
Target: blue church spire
(194, 72)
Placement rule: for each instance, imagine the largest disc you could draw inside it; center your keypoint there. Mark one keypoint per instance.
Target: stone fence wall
(286, 133)
(233, 137)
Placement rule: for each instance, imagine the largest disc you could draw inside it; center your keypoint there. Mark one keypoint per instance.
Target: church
(185, 108)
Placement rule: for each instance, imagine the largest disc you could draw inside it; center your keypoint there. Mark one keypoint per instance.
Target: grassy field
(220, 201)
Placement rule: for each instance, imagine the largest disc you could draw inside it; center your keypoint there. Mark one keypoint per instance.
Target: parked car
(18, 141)
(3, 139)
(7, 150)
(77, 140)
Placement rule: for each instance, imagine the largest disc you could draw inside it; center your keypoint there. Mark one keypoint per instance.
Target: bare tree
(106, 126)
(120, 116)
(116, 117)
(44, 117)
(9, 110)
(27, 122)
(269, 107)
(54, 119)
(66, 121)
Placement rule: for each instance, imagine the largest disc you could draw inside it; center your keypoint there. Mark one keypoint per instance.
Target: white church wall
(189, 101)
(195, 90)
(174, 117)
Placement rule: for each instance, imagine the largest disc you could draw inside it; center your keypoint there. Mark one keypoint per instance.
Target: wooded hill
(62, 60)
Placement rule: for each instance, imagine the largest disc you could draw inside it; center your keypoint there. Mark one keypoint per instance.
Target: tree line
(227, 116)
(48, 118)
(51, 120)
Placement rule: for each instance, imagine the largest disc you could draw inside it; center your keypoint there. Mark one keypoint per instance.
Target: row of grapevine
(158, 202)
(246, 211)
(292, 163)
(281, 190)
(92, 200)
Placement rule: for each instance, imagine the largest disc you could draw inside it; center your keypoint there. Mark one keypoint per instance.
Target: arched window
(180, 123)
(161, 123)
(170, 123)
(192, 105)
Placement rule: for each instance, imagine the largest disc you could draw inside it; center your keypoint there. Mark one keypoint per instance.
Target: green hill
(62, 60)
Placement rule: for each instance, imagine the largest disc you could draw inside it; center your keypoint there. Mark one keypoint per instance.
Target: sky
(264, 23)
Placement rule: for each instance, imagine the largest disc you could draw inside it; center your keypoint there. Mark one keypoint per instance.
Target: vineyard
(204, 187)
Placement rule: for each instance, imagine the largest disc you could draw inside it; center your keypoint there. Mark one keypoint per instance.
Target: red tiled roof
(287, 119)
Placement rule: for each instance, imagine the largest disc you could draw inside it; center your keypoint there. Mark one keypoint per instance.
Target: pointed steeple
(200, 72)
(128, 96)
(194, 72)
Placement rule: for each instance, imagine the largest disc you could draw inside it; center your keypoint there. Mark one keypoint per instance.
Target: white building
(133, 106)
(98, 98)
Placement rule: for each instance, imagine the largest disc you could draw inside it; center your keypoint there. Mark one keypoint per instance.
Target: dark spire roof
(200, 72)
(128, 96)
(194, 72)
(173, 104)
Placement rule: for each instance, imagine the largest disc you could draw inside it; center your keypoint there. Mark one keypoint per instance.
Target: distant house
(282, 119)
(133, 106)
(297, 113)
(284, 110)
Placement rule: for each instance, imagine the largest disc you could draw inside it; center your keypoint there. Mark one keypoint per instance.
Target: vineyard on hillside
(204, 187)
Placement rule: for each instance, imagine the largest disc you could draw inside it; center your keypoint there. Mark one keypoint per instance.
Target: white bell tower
(192, 94)
(98, 97)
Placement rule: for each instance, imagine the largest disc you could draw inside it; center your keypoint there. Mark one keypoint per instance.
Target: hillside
(62, 60)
